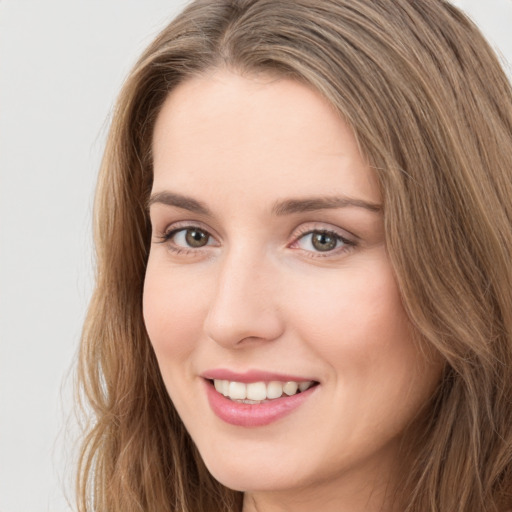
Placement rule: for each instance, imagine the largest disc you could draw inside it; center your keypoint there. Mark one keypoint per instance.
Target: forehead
(276, 135)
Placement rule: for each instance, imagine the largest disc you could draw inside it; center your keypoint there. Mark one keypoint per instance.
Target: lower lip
(254, 415)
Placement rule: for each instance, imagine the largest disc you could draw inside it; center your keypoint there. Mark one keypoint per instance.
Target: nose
(244, 308)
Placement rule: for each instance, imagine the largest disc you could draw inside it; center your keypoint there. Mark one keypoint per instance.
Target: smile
(259, 392)
(255, 402)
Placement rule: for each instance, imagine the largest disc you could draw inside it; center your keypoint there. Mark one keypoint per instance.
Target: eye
(192, 237)
(322, 241)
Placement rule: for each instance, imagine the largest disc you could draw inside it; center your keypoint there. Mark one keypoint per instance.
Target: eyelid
(186, 224)
(349, 240)
(307, 228)
(165, 236)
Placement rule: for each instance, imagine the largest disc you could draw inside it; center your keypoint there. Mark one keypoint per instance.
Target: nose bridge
(244, 304)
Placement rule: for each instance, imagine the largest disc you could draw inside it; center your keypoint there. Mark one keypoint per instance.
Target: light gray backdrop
(61, 66)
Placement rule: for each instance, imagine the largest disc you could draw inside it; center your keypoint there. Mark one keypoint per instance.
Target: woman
(304, 289)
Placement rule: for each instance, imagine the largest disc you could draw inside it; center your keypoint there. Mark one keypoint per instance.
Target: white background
(61, 66)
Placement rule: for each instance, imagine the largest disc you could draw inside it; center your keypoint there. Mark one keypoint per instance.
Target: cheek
(355, 321)
(357, 325)
(355, 312)
(173, 314)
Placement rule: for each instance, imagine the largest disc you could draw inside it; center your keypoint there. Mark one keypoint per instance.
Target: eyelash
(166, 238)
(347, 244)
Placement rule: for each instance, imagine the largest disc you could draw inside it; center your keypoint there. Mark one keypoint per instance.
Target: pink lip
(254, 415)
(251, 376)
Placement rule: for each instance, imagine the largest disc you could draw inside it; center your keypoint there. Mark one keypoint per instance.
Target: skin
(260, 295)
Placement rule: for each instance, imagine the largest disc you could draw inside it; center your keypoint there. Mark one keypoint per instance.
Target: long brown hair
(432, 112)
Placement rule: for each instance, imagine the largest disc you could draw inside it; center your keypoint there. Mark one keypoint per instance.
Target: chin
(253, 481)
(246, 475)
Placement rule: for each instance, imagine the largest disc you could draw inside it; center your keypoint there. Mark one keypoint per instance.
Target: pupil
(196, 238)
(324, 242)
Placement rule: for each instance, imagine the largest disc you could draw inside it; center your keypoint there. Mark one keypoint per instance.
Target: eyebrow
(282, 207)
(310, 204)
(180, 201)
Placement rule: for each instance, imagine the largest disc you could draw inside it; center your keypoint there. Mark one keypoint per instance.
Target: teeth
(290, 388)
(304, 385)
(238, 391)
(274, 389)
(256, 392)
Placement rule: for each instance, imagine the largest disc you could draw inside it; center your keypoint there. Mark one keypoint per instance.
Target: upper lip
(252, 376)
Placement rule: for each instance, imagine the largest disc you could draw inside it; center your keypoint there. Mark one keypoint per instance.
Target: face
(268, 281)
